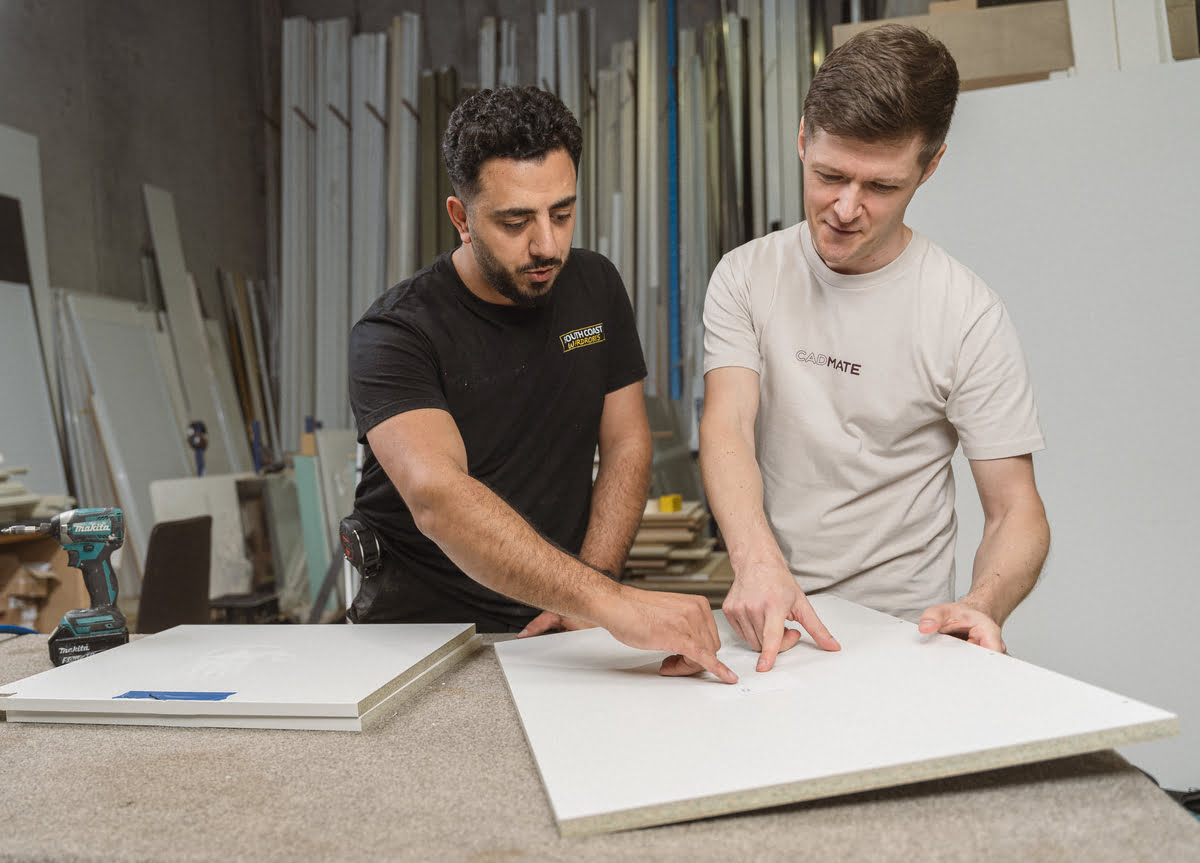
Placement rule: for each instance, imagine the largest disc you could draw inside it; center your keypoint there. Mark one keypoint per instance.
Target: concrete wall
(139, 91)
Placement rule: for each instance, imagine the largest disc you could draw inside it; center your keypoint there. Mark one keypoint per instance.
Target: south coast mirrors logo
(832, 363)
(582, 337)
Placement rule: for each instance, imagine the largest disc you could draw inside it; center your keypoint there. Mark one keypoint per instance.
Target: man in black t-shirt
(483, 386)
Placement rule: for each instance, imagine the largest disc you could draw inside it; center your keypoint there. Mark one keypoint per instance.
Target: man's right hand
(680, 624)
(757, 607)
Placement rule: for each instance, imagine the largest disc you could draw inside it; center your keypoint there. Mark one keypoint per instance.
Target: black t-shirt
(526, 389)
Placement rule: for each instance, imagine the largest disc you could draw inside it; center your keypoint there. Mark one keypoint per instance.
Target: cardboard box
(994, 45)
(38, 559)
(1181, 26)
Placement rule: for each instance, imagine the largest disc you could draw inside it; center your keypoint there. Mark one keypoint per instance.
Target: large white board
(619, 746)
(311, 677)
(1087, 228)
(27, 437)
(21, 178)
(132, 407)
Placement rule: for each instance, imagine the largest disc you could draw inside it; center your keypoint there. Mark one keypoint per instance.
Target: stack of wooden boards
(674, 551)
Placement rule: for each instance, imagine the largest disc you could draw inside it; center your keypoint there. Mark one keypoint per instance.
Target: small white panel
(289, 673)
(620, 746)
(216, 496)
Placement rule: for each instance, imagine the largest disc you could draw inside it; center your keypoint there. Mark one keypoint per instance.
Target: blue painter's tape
(160, 695)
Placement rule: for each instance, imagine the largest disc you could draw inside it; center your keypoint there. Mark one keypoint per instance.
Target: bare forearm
(618, 501)
(733, 484)
(1009, 561)
(495, 546)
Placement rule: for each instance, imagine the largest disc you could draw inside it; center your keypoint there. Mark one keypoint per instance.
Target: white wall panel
(1088, 233)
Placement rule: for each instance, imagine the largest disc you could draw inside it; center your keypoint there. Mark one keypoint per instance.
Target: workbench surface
(450, 777)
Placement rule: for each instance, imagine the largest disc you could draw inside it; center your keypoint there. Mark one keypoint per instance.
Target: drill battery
(65, 647)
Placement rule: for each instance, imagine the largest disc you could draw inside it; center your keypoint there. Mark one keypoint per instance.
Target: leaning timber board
(892, 707)
(335, 678)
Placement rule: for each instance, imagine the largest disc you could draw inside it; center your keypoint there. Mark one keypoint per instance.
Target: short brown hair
(885, 84)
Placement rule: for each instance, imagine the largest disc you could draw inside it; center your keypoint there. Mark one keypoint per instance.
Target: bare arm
(764, 593)
(424, 456)
(1016, 539)
(622, 480)
(618, 494)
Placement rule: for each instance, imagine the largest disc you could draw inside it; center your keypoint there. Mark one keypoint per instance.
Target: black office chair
(175, 578)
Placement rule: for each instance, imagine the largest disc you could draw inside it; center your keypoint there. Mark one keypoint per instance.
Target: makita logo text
(582, 337)
(833, 363)
(91, 527)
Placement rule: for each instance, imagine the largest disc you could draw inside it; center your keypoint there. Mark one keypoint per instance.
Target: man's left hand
(965, 622)
(548, 621)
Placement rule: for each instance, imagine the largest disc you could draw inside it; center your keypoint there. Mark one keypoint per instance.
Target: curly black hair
(508, 122)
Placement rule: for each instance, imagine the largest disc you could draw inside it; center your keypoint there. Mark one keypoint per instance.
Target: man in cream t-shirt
(845, 359)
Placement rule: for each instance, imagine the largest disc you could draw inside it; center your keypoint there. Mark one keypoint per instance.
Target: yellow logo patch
(582, 337)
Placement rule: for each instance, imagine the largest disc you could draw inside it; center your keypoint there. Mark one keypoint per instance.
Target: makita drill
(90, 536)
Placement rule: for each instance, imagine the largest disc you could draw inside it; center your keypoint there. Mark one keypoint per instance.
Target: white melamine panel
(333, 288)
(625, 242)
(751, 10)
(157, 322)
(368, 171)
(297, 309)
(509, 69)
(404, 49)
(131, 406)
(231, 419)
(279, 676)
(89, 464)
(27, 437)
(620, 746)
(772, 136)
(336, 453)
(793, 85)
(489, 42)
(227, 450)
(21, 178)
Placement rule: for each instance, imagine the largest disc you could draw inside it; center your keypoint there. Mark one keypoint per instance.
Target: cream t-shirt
(867, 384)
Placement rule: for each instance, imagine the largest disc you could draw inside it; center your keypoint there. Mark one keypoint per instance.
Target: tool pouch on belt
(360, 546)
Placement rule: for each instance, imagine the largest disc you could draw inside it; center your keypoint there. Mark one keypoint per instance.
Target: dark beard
(506, 285)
